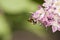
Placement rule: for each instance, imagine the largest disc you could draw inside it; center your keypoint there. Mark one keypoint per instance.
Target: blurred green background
(13, 17)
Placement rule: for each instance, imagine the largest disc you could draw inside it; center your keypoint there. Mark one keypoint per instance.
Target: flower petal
(54, 28)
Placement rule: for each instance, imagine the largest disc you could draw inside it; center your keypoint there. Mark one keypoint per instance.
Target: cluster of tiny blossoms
(48, 14)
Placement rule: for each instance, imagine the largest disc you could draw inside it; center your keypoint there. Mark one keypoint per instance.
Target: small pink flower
(49, 15)
(48, 3)
(38, 14)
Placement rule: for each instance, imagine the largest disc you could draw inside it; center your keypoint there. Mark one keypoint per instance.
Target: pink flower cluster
(48, 14)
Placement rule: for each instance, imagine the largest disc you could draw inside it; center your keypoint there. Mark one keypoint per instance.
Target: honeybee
(32, 20)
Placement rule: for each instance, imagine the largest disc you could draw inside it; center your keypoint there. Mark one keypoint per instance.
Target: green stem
(4, 28)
